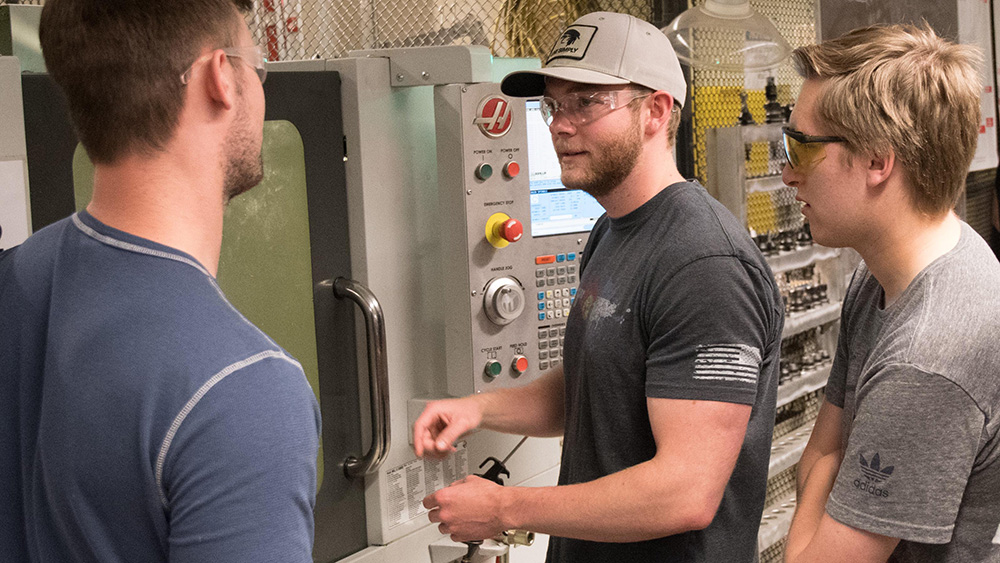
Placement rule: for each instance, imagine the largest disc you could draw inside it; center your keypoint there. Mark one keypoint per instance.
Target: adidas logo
(873, 473)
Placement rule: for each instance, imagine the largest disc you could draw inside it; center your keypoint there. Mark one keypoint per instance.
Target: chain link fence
(306, 29)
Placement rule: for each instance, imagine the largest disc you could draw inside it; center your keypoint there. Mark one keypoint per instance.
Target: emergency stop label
(408, 484)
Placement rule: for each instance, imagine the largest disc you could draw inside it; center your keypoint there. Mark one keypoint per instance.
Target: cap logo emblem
(493, 116)
(573, 43)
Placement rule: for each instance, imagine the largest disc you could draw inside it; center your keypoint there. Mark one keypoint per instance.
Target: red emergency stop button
(511, 230)
(519, 365)
(511, 169)
(502, 230)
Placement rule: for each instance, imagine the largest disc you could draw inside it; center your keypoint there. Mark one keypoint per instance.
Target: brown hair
(674, 124)
(903, 89)
(119, 64)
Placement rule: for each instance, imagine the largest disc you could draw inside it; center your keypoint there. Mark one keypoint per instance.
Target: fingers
(446, 531)
(441, 425)
(428, 448)
(430, 502)
(467, 510)
(427, 433)
(422, 435)
(449, 436)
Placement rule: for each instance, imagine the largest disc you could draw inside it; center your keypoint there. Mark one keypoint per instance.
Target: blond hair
(903, 89)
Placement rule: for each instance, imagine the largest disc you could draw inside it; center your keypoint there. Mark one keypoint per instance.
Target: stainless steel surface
(451, 64)
(378, 377)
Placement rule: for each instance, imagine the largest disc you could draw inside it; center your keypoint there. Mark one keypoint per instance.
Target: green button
(484, 171)
(493, 368)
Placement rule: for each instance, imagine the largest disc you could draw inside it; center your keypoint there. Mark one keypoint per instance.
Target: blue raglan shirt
(143, 418)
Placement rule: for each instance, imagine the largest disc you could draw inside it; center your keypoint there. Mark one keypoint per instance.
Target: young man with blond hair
(904, 461)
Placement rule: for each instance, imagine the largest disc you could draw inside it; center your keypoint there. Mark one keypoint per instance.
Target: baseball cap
(606, 48)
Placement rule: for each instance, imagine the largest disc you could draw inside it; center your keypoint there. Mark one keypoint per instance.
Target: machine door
(281, 240)
(279, 245)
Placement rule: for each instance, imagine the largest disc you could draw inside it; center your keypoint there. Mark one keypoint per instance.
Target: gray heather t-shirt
(919, 382)
(675, 302)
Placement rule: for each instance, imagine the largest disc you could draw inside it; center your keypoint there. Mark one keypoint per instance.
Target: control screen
(555, 209)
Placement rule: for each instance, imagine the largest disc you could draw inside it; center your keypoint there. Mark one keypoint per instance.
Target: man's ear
(220, 82)
(660, 106)
(880, 167)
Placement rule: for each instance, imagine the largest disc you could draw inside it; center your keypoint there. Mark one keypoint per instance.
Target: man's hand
(468, 510)
(442, 423)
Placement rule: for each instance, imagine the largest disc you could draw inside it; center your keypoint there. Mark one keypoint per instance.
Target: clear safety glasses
(251, 55)
(805, 151)
(581, 108)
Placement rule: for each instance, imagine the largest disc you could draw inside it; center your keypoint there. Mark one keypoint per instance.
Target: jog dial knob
(503, 300)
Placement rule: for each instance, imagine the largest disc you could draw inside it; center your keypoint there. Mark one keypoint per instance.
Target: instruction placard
(408, 484)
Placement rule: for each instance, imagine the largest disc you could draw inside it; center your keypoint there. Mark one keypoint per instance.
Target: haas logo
(493, 116)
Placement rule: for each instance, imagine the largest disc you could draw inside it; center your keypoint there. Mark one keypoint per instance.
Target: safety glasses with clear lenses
(251, 55)
(581, 108)
(805, 151)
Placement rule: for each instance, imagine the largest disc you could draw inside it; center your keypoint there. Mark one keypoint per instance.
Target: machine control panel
(513, 239)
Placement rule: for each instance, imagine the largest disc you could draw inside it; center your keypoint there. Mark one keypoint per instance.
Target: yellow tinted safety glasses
(805, 151)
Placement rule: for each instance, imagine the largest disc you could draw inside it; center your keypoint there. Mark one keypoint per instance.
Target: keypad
(556, 293)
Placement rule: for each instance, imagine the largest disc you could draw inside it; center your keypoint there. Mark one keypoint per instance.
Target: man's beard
(243, 156)
(242, 173)
(612, 161)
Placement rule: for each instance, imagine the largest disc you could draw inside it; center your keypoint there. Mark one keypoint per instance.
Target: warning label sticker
(409, 483)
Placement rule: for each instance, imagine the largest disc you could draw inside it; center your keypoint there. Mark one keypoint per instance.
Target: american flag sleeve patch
(727, 362)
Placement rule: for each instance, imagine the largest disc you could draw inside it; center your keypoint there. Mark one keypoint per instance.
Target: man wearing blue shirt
(142, 417)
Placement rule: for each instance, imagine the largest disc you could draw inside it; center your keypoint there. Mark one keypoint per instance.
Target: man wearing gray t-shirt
(904, 461)
(665, 396)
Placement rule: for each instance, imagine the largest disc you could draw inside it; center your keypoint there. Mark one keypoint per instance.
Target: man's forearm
(537, 409)
(809, 458)
(811, 505)
(643, 502)
(825, 439)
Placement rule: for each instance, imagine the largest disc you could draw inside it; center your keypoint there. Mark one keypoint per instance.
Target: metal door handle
(378, 377)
